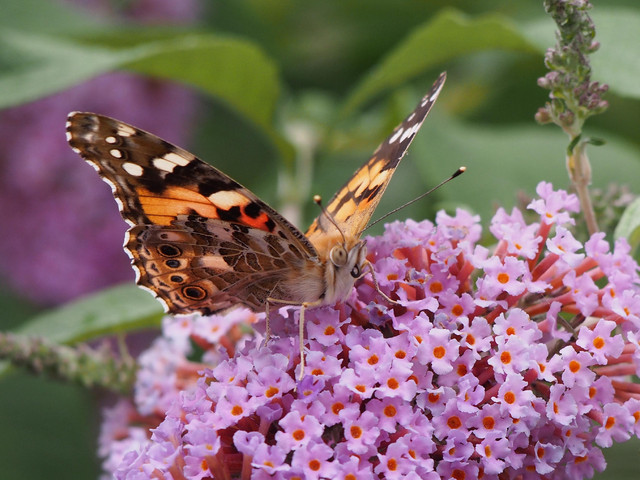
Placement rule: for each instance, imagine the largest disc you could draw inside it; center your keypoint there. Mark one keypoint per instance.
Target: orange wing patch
(352, 206)
(227, 205)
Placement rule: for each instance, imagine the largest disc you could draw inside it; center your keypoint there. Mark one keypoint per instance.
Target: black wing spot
(231, 215)
(270, 224)
(193, 292)
(215, 185)
(252, 210)
(172, 263)
(153, 180)
(168, 250)
(177, 279)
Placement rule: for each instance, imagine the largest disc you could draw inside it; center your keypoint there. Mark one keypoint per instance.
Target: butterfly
(201, 242)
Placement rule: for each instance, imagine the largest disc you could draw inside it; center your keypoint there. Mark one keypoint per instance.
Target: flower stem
(82, 365)
(579, 169)
(573, 96)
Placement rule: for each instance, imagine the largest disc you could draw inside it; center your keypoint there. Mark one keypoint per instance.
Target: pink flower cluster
(510, 364)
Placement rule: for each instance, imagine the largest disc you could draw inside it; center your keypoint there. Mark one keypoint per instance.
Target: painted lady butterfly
(201, 242)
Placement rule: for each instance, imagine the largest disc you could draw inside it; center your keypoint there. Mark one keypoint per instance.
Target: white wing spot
(226, 199)
(133, 169)
(177, 159)
(110, 140)
(410, 117)
(125, 130)
(396, 135)
(115, 153)
(163, 164)
(410, 132)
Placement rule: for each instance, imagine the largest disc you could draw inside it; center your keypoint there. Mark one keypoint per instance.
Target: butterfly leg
(301, 339)
(375, 283)
(267, 328)
(301, 329)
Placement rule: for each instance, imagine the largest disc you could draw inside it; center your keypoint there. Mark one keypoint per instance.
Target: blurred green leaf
(33, 66)
(629, 225)
(449, 35)
(617, 62)
(235, 72)
(114, 310)
(46, 427)
(47, 16)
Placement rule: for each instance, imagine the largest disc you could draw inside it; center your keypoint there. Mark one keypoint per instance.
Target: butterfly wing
(352, 206)
(198, 240)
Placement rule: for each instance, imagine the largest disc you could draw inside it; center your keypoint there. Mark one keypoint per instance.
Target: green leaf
(629, 225)
(34, 66)
(47, 16)
(449, 35)
(114, 310)
(234, 72)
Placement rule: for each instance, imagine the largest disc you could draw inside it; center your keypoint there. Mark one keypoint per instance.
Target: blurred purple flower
(62, 233)
(519, 385)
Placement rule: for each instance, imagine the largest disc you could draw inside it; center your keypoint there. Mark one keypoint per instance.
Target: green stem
(579, 169)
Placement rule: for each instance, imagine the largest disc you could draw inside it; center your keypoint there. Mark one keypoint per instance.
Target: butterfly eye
(355, 271)
(338, 256)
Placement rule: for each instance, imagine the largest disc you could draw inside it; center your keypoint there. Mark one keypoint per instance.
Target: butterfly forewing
(199, 240)
(352, 206)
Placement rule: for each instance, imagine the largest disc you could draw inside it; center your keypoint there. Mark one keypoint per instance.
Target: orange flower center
(503, 278)
(271, 391)
(439, 352)
(390, 411)
(454, 422)
(236, 410)
(574, 366)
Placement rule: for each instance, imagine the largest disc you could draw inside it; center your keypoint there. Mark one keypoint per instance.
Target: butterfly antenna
(458, 172)
(318, 201)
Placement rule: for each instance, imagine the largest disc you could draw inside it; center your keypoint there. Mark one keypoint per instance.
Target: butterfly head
(344, 266)
(348, 260)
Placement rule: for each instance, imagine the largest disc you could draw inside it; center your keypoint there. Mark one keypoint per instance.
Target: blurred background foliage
(288, 98)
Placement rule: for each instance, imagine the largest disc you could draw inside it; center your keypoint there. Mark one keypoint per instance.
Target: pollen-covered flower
(470, 375)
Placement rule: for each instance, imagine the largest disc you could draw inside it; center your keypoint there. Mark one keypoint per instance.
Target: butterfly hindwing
(209, 265)
(352, 206)
(198, 240)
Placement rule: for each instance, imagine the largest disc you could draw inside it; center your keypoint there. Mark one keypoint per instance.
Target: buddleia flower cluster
(514, 362)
